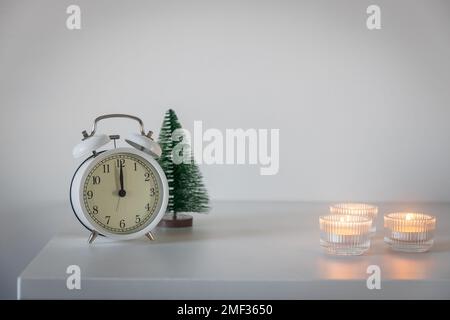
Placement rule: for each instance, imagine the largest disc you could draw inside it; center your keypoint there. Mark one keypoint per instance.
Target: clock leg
(150, 236)
(92, 236)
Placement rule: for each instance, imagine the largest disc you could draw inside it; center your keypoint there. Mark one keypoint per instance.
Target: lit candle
(409, 231)
(357, 209)
(345, 234)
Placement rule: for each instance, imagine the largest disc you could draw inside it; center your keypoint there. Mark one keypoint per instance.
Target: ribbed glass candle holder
(345, 234)
(357, 209)
(409, 231)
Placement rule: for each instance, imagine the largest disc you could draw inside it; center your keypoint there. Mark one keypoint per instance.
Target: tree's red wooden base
(182, 221)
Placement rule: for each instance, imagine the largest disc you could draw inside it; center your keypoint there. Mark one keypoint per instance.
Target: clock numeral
(107, 219)
(147, 206)
(120, 163)
(122, 223)
(90, 194)
(106, 168)
(96, 180)
(95, 209)
(152, 192)
(138, 218)
(135, 166)
(147, 176)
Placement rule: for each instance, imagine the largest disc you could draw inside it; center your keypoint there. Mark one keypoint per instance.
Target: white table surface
(240, 250)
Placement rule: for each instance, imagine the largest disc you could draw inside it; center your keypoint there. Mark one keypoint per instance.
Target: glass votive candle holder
(346, 235)
(409, 231)
(357, 209)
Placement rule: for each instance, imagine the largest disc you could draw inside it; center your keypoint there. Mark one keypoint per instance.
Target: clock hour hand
(122, 191)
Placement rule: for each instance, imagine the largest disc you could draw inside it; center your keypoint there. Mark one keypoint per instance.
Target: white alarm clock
(120, 193)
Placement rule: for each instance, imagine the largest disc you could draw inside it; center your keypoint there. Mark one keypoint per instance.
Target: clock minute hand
(122, 191)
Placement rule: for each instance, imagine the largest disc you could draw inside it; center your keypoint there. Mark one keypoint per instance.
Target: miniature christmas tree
(187, 192)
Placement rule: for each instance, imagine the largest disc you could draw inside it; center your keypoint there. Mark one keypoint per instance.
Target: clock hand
(118, 202)
(121, 177)
(122, 191)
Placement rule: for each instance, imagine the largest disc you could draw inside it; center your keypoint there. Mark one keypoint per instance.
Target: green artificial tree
(187, 193)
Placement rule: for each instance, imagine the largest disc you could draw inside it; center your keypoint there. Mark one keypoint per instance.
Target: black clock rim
(70, 191)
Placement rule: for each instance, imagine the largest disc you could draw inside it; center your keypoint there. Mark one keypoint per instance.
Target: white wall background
(362, 114)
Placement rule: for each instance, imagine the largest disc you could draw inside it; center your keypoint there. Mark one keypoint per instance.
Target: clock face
(121, 193)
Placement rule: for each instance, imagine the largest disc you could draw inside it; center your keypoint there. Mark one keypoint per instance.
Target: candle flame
(409, 216)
